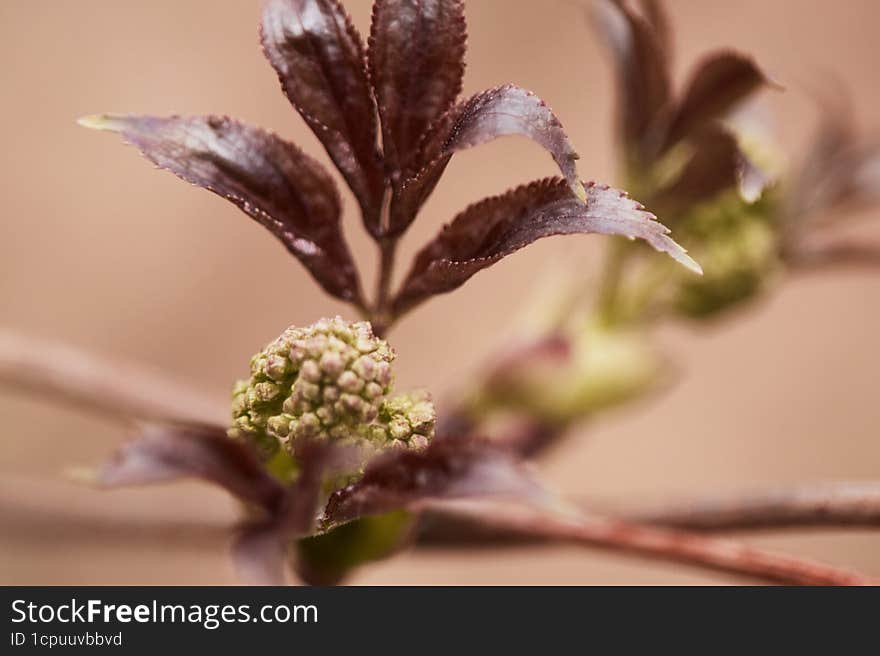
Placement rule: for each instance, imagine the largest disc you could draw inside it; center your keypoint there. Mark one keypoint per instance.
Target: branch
(835, 255)
(620, 536)
(828, 505)
(86, 381)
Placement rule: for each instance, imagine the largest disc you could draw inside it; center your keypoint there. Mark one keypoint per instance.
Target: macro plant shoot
(684, 394)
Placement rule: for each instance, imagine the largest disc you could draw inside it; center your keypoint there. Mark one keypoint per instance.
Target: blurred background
(102, 252)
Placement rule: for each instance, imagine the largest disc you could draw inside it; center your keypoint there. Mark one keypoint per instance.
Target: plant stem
(46, 368)
(828, 505)
(621, 536)
(854, 255)
(612, 278)
(381, 315)
(854, 504)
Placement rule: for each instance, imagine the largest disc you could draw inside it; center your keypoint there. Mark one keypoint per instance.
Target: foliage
(388, 115)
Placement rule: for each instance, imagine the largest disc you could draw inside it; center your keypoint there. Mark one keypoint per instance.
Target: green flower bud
(576, 375)
(737, 247)
(409, 419)
(330, 380)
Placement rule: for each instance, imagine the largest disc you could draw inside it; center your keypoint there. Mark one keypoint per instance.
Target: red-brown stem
(835, 255)
(853, 504)
(621, 536)
(123, 391)
(381, 315)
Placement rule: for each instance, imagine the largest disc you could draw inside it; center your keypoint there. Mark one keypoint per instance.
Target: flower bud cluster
(737, 247)
(407, 420)
(330, 380)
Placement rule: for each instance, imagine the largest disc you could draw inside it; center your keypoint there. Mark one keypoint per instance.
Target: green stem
(612, 279)
(648, 303)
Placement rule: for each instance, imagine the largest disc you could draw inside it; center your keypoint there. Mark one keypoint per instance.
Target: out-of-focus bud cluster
(737, 244)
(572, 376)
(330, 380)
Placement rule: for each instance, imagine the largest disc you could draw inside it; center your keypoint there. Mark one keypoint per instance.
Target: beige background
(101, 251)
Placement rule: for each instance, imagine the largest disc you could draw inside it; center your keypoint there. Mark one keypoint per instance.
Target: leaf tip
(680, 255)
(82, 475)
(100, 122)
(773, 82)
(751, 193)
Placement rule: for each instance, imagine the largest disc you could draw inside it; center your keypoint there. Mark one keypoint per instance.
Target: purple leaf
(866, 179)
(716, 164)
(416, 59)
(259, 555)
(502, 111)
(719, 83)
(835, 135)
(319, 57)
(449, 468)
(271, 180)
(490, 230)
(164, 452)
(841, 169)
(654, 12)
(636, 43)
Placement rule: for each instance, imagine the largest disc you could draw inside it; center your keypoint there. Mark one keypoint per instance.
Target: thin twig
(47, 368)
(824, 505)
(835, 255)
(620, 536)
(855, 504)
